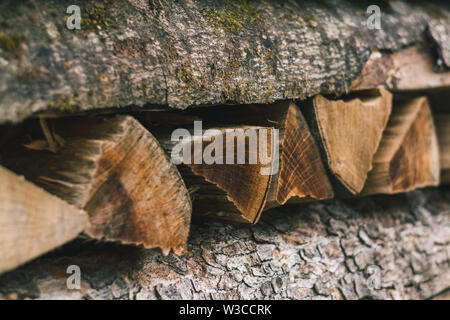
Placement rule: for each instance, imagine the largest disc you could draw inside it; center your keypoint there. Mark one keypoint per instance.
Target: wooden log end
(115, 170)
(408, 157)
(350, 131)
(302, 175)
(32, 221)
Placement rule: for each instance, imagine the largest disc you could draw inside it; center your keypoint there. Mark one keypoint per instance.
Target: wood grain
(442, 122)
(32, 221)
(410, 69)
(238, 192)
(115, 170)
(349, 131)
(408, 156)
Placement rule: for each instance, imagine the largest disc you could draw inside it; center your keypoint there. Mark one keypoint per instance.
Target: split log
(349, 132)
(408, 156)
(116, 171)
(32, 221)
(442, 122)
(410, 69)
(241, 191)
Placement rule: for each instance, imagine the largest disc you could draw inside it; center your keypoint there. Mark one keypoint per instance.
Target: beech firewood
(240, 192)
(408, 69)
(116, 171)
(442, 122)
(349, 132)
(32, 221)
(408, 156)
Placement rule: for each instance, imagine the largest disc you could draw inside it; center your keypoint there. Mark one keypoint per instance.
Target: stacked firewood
(112, 177)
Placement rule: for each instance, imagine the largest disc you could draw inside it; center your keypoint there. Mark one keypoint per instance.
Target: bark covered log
(378, 247)
(183, 53)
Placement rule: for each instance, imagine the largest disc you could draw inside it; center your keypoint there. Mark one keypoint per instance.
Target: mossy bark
(134, 53)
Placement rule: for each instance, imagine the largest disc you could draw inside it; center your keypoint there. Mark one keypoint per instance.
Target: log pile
(114, 170)
(138, 177)
(119, 171)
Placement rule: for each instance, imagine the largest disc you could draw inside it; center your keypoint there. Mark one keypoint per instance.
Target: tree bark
(393, 247)
(192, 53)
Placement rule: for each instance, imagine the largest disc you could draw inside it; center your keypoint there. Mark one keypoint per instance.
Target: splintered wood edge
(158, 209)
(33, 221)
(396, 164)
(442, 122)
(378, 103)
(302, 174)
(116, 171)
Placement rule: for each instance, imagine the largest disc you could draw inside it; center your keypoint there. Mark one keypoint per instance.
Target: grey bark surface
(135, 53)
(393, 247)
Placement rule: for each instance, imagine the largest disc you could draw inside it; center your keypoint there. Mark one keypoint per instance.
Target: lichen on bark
(193, 53)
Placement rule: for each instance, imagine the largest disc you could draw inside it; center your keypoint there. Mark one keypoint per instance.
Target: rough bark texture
(184, 53)
(339, 249)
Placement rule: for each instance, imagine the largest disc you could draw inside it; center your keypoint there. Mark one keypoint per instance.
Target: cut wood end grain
(32, 221)
(350, 131)
(442, 122)
(243, 185)
(408, 156)
(240, 192)
(115, 170)
(302, 175)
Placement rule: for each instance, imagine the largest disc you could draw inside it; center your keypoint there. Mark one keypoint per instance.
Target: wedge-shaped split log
(286, 167)
(408, 156)
(442, 122)
(116, 171)
(349, 132)
(32, 221)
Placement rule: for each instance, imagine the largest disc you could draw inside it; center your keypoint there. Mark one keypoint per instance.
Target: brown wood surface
(349, 132)
(32, 221)
(409, 69)
(239, 192)
(115, 170)
(442, 122)
(408, 156)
